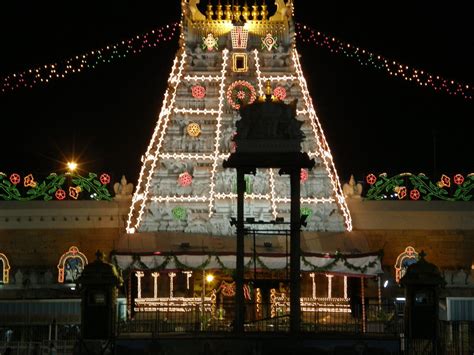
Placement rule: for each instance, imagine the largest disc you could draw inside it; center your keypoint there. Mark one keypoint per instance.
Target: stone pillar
(99, 284)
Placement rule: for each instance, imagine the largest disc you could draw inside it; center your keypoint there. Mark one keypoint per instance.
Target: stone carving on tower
(227, 56)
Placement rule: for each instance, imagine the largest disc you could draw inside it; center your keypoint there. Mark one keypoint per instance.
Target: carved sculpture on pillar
(123, 190)
(351, 189)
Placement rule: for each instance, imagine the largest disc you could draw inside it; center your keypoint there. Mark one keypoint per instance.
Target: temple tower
(228, 57)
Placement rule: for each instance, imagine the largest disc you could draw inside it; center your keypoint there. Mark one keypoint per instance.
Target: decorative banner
(367, 58)
(43, 74)
(420, 187)
(240, 92)
(54, 186)
(210, 42)
(269, 42)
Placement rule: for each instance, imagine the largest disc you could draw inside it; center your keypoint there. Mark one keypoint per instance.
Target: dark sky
(105, 117)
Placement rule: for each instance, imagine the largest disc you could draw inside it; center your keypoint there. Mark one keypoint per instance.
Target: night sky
(104, 117)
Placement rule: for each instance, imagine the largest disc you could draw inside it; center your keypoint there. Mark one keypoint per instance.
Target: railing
(457, 337)
(261, 317)
(38, 347)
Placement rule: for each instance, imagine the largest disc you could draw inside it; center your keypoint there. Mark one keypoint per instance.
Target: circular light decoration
(458, 179)
(60, 194)
(303, 175)
(104, 179)
(240, 92)
(414, 194)
(193, 129)
(15, 178)
(179, 213)
(371, 179)
(279, 92)
(185, 179)
(198, 91)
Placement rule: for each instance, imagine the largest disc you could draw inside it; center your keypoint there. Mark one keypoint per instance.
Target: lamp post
(209, 278)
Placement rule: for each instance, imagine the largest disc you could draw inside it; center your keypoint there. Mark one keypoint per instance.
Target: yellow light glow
(209, 278)
(71, 166)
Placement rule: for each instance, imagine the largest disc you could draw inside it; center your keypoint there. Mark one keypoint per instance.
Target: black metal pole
(239, 292)
(295, 289)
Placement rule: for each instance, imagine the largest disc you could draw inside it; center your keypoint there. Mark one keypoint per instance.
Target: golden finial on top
(245, 12)
(264, 11)
(236, 13)
(228, 12)
(255, 12)
(209, 12)
(219, 12)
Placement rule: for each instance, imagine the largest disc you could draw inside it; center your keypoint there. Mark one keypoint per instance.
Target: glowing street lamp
(209, 278)
(71, 166)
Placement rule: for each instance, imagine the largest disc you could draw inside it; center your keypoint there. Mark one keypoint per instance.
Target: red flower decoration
(29, 181)
(74, 192)
(15, 178)
(304, 175)
(458, 179)
(414, 194)
(198, 91)
(371, 179)
(60, 194)
(185, 179)
(402, 192)
(104, 179)
(280, 92)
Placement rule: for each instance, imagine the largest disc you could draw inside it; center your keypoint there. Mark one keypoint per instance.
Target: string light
(45, 73)
(139, 275)
(172, 275)
(394, 68)
(155, 276)
(146, 171)
(225, 53)
(273, 193)
(6, 269)
(259, 73)
(196, 111)
(321, 143)
(72, 253)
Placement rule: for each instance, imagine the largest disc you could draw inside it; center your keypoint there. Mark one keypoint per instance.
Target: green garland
(249, 265)
(340, 257)
(410, 186)
(53, 183)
